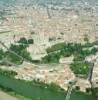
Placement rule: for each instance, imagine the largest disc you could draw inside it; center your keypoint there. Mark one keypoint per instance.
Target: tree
(86, 39)
(2, 54)
(30, 41)
(23, 41)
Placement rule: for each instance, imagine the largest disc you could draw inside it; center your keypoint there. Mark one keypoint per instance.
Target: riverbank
(38, 92)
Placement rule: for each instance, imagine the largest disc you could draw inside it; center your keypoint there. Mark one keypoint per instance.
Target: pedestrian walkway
(5, 96)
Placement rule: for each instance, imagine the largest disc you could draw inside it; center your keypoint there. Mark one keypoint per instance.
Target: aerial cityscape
(48, 49)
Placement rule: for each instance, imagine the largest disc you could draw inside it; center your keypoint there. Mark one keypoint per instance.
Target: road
(5, 96)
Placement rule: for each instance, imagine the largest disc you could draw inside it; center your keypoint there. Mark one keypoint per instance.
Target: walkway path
(5, 96)
(95, 75)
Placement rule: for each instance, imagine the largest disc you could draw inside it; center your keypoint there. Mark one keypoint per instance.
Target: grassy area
(81, 68)
(55, 47)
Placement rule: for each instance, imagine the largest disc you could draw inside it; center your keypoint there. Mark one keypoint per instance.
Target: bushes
(51, 58)
(8, 73)
(30, 41)
(55, 87)
(51, 86)
(79, 58)
(88, 90)
(94, 50)
(23, 41)
(95, 42)
(77, 88)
